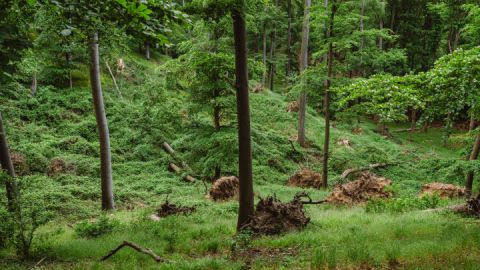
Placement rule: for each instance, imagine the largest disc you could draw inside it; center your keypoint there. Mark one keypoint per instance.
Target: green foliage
(102, 226)
(400, 205)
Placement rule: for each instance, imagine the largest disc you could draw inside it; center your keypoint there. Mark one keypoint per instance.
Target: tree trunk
(470, 175)
(33, 87)
(302, 104)
(362, 39)
(288, 68)
(246, 208)
(413, 123)
(102, 125)
(68, 57)
(147, 50)
(7, 165)
(327, 98)
(380, 39)
(271, 73)
(264, 52)
(473, 123)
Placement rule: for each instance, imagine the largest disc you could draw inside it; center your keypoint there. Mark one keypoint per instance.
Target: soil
(357, 131)
(168, 209)
(225, 188)
(257, 88)
(59, 166)
(367, 186)
(275, 217)
(292, 106)
(443, 190)
(19, 163)
(306, 178)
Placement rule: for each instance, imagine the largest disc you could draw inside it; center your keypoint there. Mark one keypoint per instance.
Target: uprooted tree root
(225, 188)
(274, 217)
(367, 186)
(168, 209)
(443, 190)
(306, 178)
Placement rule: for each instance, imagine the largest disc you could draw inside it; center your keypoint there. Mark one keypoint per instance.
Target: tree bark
(470, 175)
(271, 73)
(147, 50)
(380, 39)
(246, 208)
(473, 123)
(327, 97)
(288, 68)
(264, 52)
(33, 87)
(302, 104)
(7, 165)
(102, 125)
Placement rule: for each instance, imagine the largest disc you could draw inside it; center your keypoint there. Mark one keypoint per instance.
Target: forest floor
(58, 127)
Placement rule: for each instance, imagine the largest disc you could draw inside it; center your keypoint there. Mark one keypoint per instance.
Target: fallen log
(136, 247)
(346, 173)
(301, 195)
(168, 149)
(174, 168)
(407, 130)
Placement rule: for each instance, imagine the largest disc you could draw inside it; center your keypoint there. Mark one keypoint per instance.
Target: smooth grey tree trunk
(470, 175)
(147, 50)
(33, 87)
(7, 165)
(102, 125)
(302, 104)
(246, 208)
(264, 52)
(288, 68)
(326, 144)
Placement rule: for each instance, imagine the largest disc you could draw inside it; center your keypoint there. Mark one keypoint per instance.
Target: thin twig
(136, 247)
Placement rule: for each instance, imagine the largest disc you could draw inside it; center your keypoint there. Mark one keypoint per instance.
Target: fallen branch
(38, 263)
(113, 79)
(346, 173)
(407, 130)
(301, 195)
(136, 247)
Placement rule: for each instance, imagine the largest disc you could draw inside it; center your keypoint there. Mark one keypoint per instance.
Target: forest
(239, 134)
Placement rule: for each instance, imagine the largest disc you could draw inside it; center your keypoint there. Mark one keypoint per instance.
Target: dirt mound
(292, 106)
(168, 209)
(19, 163)
(306, 178)
(274, 217)
(443, 190)
(59, 166)
(225, 188)
(357, 131)
(366, 187)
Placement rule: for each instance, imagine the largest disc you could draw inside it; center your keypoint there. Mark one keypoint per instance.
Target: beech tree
(7, 166)
(243, 114)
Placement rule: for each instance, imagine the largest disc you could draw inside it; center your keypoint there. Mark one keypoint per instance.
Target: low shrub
(96, 228)
(400, 205)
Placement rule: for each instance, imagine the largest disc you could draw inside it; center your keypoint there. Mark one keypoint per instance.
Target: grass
(59, 124)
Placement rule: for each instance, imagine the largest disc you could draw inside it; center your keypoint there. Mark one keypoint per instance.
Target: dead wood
(274, 217)
(174, 168)
(407, 130)
(306, 178)
(136, 247)
(346, 173)
(168, 209)
(443, 190)
(168, 148)
(367, 186)
(225, 188)
(301, 195)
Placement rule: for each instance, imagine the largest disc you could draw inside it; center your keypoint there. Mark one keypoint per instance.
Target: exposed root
(168, 209)
(443, 190)
(274, 217)
(366, 187)
(225, 188)
(306, 178)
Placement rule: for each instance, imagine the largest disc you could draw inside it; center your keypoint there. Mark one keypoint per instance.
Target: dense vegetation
(96, 95)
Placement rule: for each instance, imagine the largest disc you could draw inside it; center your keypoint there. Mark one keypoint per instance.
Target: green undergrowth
(59, 125)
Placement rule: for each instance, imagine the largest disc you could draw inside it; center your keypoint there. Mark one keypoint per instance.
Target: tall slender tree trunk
(362, 39)
(33, 87)
(302, 104)
(413, 123)
(380, 39)
(326, 144)
(68, 57)
(246, 208)
(271, 73)
(288, 68)
(473, 122)
(102, 125)
(147, 50)
(7, 166)
(264, 52)
(470, 175)
(216, 124)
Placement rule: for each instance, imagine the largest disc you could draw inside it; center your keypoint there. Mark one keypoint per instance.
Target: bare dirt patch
(367, 186)
(443, 190)
(292, 106)
(225, 188)
(59, 166)
(19, 163)
(275, 217)
(306, 178)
